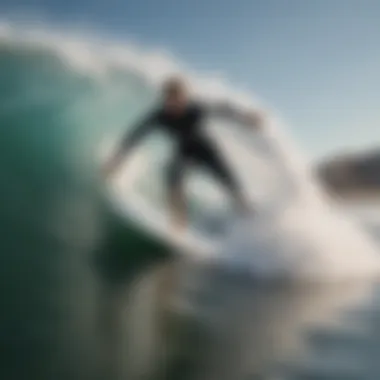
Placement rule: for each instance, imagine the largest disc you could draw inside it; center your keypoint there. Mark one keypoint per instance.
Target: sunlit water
(220, 325)
(85, 296)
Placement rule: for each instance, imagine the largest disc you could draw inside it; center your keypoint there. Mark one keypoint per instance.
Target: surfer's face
(176, 99)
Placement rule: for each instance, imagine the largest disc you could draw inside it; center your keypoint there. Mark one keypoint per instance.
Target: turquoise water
(85, 296)
(55, 230)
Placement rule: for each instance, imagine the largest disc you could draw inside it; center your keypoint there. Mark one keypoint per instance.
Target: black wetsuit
(193, 146)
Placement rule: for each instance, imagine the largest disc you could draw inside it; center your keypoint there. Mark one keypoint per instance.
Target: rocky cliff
(350, 174)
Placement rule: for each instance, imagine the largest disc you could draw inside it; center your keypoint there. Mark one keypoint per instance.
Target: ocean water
(87, 296)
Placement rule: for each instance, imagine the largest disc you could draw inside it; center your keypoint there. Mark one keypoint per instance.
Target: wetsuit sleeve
(129, 141)
(139, 131)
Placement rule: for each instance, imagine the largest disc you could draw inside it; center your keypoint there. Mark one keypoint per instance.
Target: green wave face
(58, 238)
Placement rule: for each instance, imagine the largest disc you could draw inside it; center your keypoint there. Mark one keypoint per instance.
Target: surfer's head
(175, 94)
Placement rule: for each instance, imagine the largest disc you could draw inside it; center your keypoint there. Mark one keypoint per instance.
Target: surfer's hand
(110, 167)
(256, 120)
(107, 170)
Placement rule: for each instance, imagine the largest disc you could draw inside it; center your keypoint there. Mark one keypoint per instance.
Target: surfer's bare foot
(179, 224)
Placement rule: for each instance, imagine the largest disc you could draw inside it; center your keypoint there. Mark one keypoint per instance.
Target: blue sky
(316, 61)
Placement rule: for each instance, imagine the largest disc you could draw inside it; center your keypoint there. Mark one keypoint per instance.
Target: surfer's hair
(174, 85)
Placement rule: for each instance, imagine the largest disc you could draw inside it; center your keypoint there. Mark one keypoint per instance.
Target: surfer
(182, 119)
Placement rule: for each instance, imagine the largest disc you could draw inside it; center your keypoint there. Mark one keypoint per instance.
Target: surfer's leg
(213, 161)
(177, 202)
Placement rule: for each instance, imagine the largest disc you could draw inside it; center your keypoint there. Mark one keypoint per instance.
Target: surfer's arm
(138, 132)
(227, 111)
(129, 141)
